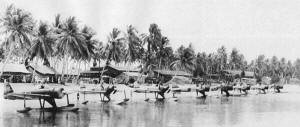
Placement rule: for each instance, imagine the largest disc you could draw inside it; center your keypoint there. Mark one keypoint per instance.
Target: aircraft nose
(60, 93)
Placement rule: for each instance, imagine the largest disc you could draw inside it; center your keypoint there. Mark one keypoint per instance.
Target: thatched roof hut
(14, 69)
(14, 72)
(111, 71)
(128, 76)
(238, 73)
(172, 73)
(166, 75)
(179, 80)
(42, 70)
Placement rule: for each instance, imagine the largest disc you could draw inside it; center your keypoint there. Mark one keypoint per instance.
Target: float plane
(157, 91)
(42, 95)
(103, 93)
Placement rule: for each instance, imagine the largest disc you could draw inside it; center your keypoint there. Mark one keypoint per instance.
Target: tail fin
(8, 89)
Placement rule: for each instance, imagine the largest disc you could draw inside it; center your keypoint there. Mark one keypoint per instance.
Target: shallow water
(262, 110)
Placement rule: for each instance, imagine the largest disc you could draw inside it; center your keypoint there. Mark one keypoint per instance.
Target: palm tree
(210, 63)
(115, 47)
(222, 58)
(184, 59)
(99, 53)
(297, 68)
(166, 57)
(200, 65)
(56, 29)
(57, 25)
(163, 51)
(234, 59)
(282, 67)
(42, 43)
(71, 42)
(18, 27)
(260, 67)
(153, 41)
(274, 65)
(134, 48)
(90, 41)
(134, 45)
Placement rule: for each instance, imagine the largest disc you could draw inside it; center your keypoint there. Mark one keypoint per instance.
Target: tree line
(64, 41)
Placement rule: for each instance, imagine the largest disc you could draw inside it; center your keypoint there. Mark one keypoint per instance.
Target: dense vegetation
(65, 40)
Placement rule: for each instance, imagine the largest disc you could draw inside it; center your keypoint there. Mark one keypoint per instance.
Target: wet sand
(262, 110)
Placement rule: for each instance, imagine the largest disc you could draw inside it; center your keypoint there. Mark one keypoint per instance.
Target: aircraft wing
(69, 92)
(153, 90)
(27, 96)
(181, 89)
(146, 90)
(92, 91)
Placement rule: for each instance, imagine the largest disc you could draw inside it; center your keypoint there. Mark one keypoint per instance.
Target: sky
(254, 27)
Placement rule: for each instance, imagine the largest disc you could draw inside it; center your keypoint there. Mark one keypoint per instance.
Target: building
(167, 75)
(15, 72)
(42, 73)
(238, 73)
(120, 72)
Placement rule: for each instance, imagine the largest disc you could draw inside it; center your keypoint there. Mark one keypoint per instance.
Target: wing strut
(24, 101)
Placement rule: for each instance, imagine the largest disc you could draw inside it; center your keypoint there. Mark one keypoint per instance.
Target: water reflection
(254, 110)
(225, 100)
(201, 100)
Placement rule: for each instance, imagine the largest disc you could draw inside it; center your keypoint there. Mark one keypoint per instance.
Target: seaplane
(260, 88)
(177, 90)
(45, 94)
(202, 89)
(242, 88)
(103, 93)
(237, 90)
(160, 90)
(277, 87)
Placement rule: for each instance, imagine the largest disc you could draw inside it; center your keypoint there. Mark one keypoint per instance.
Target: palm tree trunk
(99, 68)
(63, 69)
(99, 62)
(159, 63)
(102, 71)
(85, 67)
(148, 55)
(78, 72)
(6, 60)
(33, 73)
(128, 70)
(67, 71)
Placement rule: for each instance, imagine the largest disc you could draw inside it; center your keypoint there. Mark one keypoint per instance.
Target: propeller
(114, 91)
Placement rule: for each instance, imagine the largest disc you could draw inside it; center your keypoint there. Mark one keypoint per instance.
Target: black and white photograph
(149, 63)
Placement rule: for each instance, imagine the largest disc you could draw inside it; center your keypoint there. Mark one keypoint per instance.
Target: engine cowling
(59, 93)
